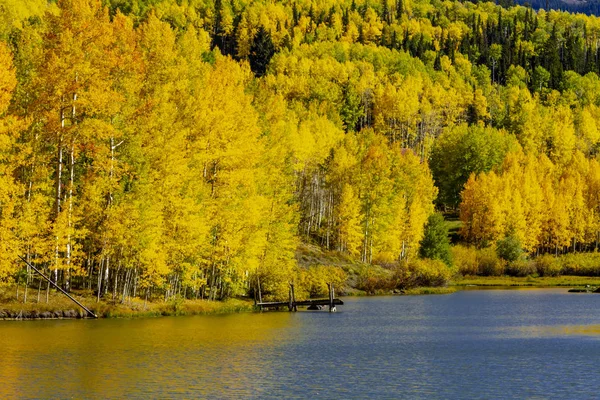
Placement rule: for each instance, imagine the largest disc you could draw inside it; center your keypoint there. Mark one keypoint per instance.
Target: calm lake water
(538, 343)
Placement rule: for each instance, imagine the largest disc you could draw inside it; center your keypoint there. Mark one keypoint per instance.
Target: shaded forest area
(170, 149)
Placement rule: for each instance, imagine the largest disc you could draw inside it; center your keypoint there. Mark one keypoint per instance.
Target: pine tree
(435, 243)
(261, 51)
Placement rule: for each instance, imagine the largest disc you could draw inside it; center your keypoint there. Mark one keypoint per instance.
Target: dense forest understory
(199, 149)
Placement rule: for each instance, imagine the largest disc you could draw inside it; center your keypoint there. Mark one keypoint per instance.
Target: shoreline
(60, 308)
(63, 309)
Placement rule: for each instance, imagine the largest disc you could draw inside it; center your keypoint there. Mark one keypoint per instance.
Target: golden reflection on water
(562, 330)
(117, 358)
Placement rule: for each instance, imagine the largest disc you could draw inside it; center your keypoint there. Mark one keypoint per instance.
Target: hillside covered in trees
(188, 147)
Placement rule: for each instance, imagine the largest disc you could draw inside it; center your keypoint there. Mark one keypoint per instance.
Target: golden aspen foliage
(140, 154)
(348, 217)
(9, 188)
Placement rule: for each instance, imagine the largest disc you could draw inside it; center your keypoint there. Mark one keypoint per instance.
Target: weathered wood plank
(303, 303)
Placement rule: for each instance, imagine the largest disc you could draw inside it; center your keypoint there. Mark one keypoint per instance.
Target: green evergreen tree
(552, 59)
(261, 52)
(509, 248)
(435, 244)
(399, 9)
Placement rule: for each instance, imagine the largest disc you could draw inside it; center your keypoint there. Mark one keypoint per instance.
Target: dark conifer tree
(552, 61)
(399, 9)
(261, 52)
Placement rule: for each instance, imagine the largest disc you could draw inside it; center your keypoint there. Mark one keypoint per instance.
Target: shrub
(509, 248)
(488, 262)
(548, 265)
(435, 244)
(521, 268)
(580, 264)
(472, 261)
(373, 280)
(465, 259)
(312, 282)
(427, 272)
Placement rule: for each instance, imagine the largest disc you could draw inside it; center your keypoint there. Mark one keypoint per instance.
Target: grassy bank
(546, 281)
(59, 306)
(430, 290)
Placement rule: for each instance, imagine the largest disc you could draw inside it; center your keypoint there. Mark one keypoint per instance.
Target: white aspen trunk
(127, 277)
(59, 168)
(135, 282)
(67, 278)
(58, 203)
(366, 239)
(26, 286)
(100, 269)
(67, 275)
(39, 289)
(114, 294)
(106, 269)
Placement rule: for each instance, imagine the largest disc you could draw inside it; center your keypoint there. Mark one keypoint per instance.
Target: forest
(190, 148)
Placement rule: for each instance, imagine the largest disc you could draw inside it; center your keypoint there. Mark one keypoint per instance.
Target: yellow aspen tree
(587, 128)
(73, 92)
(512, 197)
(9, 188)
(532, 203)
(414, 185)
(593, 203)
(481, 209)
(560, 135)
(349, 224)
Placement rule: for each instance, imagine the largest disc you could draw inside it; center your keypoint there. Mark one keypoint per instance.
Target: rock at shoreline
(35, 314)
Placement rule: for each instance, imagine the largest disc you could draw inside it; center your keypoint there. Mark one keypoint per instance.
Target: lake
(488, 344)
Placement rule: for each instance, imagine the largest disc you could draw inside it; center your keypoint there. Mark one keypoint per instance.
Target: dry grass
(133, 308)
(547, 281)
(430, 290)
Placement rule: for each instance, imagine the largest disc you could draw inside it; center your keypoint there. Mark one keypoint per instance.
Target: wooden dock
(314, 304)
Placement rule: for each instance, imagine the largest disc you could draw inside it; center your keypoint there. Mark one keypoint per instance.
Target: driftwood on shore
(87, 310)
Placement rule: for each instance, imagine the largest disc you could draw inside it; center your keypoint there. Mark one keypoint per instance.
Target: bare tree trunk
(26, 286)
(47, 292)
(106, 270)
(135, 283)
(127, 277)
(58, 200)
(100, 269)
(67, 279)
(114, 295)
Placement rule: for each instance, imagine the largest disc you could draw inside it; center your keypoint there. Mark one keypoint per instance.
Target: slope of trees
(185, 148)
(136, 160)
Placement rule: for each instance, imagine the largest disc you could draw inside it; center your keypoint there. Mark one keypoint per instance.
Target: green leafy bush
(509, 248)
(435, 244)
